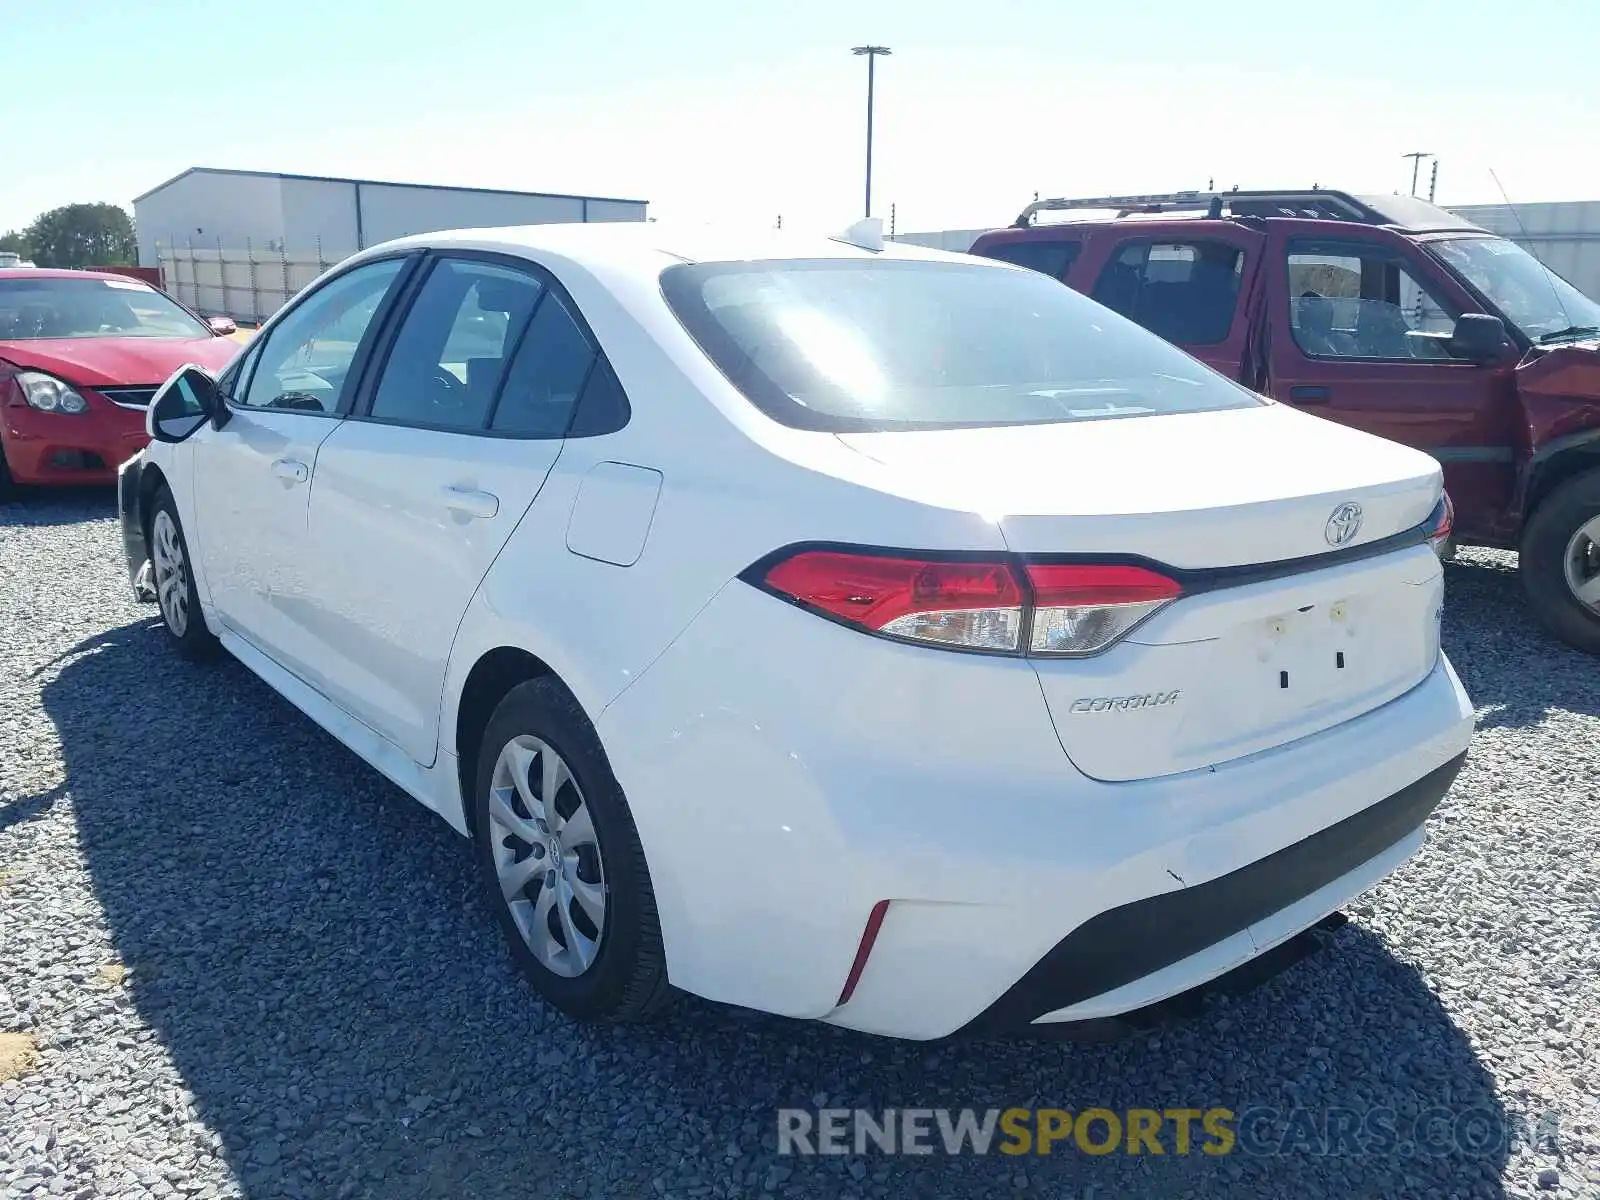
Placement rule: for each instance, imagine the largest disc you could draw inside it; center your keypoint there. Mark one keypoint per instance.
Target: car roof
(63, 273)
(645, 244)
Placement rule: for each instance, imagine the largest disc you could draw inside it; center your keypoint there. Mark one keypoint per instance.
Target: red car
(81, 353)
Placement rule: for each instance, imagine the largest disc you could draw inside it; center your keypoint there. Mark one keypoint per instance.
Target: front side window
(882, 344)
(305, 362)
(1184, 291)
(1544, 306)
(48, 307)
(1052, 258)
(450, 354)
(1361, 300)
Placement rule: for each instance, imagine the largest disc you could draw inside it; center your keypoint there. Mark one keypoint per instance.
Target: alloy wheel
(1582, 564)
(172, 573)
(547, 856)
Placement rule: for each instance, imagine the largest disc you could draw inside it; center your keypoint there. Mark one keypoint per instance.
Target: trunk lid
(1231, 668)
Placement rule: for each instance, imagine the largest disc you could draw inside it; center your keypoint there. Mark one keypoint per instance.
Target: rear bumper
(1138, 941)
(58, 449)
(787, 776)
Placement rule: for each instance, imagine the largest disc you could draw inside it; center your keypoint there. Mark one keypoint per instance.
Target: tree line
(76, 235)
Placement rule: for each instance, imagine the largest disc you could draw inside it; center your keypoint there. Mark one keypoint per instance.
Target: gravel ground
(235, 962)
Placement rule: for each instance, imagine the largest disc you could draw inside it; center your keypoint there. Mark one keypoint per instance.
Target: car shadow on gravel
(57, 506)
(1515, 672)
(313, 952)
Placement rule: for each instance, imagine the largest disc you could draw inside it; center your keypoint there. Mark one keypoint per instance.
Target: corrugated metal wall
(1565, 236)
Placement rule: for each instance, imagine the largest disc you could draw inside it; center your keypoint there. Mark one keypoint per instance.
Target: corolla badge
(1344, 524)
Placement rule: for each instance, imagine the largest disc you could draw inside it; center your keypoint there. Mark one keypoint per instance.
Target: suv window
(447, 360)
(1053, 258)
(1360, 300)
(1184, 291)
(547, 375)
(305, 361)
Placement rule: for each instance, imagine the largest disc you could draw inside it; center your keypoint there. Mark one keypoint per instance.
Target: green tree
(15, 242)
(83, 235)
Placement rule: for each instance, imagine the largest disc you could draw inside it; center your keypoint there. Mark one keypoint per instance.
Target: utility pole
(871, 53)
(1416, 157)
(1433, 183)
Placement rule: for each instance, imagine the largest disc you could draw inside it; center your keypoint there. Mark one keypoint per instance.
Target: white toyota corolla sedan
(836, 628)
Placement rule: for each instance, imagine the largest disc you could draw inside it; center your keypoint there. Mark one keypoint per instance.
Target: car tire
(571, 890)
(8, 486)
(1561, 550)
(174, 580)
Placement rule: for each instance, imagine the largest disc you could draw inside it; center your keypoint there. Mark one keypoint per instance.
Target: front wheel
(1561, 562)
(174, 581)
(561, 857)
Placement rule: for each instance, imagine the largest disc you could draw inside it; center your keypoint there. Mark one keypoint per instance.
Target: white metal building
(208, 208)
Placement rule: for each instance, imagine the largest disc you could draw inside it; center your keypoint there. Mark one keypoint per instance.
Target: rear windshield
(850, 345)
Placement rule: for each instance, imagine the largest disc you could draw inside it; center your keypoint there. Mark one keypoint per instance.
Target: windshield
(882, 344)
(87, 308)
(1533, 298)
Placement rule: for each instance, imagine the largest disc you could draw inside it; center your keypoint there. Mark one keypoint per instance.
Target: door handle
(1307, 394)
(469, 502)
(291, 470)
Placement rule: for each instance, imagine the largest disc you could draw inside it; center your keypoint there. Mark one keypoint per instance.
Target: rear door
(418, 491)
(1357, 318)
(1194, 283)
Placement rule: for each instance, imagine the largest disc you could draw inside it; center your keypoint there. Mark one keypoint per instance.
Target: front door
(1358, 327)
(418, 491)
(254, 480)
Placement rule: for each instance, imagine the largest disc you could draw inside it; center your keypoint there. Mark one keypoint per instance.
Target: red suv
(1382, 312)
(81, 353)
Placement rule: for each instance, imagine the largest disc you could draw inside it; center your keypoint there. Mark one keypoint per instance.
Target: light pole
(872, 53)
(1416, 157)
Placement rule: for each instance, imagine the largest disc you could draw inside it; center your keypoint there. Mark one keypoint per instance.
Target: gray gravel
(247, 966)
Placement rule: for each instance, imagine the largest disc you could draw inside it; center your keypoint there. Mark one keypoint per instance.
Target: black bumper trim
(134, 549)
(1137, 939)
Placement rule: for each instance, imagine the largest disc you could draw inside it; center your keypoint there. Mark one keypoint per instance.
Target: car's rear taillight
(1442, 526)
(977, 605)
(1083, 608)
(1067, 608)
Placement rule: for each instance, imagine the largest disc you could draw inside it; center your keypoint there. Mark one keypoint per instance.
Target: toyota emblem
(1344, 524)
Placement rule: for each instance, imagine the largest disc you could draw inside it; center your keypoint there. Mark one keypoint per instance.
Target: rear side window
(857, 344)
(547, 375)
(1184, 291)
(1054, 259)
(445, 367)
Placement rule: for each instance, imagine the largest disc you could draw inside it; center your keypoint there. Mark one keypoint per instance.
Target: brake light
(1442, 524)
(1071, 608)
(973, 604)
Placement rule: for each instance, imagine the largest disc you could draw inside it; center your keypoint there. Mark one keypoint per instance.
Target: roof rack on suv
(1314, 203)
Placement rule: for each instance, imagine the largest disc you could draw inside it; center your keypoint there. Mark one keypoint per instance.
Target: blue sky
(741, 111)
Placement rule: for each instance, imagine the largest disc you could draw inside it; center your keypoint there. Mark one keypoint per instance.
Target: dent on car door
(253, 476)
(418, 491)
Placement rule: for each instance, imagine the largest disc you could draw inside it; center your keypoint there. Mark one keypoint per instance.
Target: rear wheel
(559, 852)
(1561, 562)
(174, 581)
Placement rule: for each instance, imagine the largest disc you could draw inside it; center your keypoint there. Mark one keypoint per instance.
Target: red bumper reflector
(863, 951)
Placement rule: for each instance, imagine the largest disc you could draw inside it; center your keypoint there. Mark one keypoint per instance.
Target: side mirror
(1478, 338)
(186, 401)
(223, 326)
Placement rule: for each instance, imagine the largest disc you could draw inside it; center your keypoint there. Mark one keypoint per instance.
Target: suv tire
(1554, 533)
